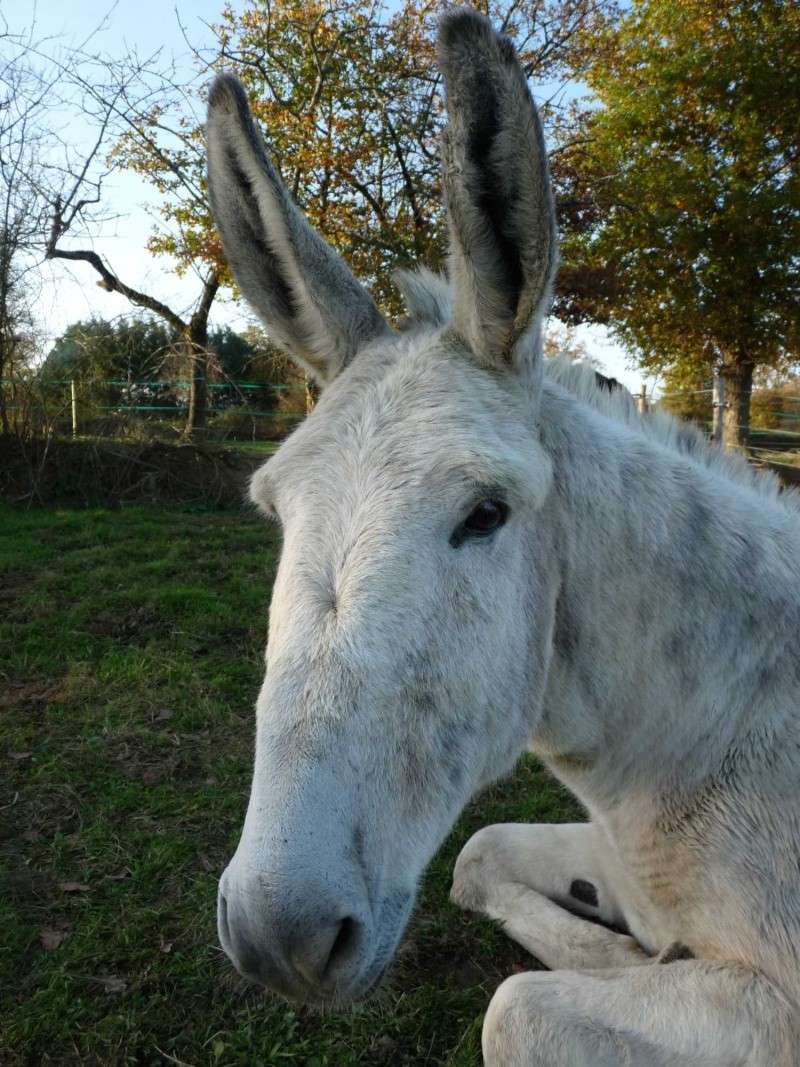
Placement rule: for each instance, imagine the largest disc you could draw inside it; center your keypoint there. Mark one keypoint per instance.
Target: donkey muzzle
(310, 945)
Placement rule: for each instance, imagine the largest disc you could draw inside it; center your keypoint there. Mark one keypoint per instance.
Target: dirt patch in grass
(142, 622)
(11, 586)
(26, 696)
(40, 811)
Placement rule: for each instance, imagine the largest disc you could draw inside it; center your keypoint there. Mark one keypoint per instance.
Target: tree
(121, 98)
(130, 360)
(686, 392)
(689, 168)
(232, 353)
(350, 101)
(271, 364)
(24, 140)
(348, 97)
(124, 350)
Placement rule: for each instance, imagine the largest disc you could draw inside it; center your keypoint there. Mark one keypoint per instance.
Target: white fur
(634, 622)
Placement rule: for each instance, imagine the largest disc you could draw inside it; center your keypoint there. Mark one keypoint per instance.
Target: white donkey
(480, 557)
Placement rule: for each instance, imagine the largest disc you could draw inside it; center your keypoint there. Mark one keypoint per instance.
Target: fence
(157, 410)
(257, 411)
(774, 415)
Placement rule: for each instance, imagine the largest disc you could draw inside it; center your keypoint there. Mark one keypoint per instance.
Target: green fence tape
(150, 384)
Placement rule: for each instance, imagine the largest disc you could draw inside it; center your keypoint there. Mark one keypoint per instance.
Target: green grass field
(130, 655)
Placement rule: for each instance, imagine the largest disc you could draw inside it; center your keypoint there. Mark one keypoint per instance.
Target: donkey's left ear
(497, 190)
(310, 302)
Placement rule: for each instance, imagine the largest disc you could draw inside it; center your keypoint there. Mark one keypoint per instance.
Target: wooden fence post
(312, 394)
(718, 406)
(74, 398)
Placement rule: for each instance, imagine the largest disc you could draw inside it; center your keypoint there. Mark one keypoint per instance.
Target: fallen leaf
(124, 873)
(386, 1044)
(20, 755)
(51, 939)
(166, 946)
(73, 887)
(111, 984)
(164, 714)
(205, 862)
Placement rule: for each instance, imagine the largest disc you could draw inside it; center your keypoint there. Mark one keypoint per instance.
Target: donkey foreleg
(691, 1013)
(557, 937)
(563, 862)
(521, 875)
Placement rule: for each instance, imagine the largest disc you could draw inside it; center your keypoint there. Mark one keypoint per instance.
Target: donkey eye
(483, 520)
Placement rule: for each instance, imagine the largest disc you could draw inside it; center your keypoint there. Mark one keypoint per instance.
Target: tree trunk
(4, 427)
(196, 343)
(737, 378)
(197, 358)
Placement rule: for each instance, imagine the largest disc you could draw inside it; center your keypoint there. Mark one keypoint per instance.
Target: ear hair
(427, 295)
(310, 302)
(497, 192)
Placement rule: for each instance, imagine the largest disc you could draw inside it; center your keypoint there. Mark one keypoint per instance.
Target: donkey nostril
(222, 921)
(344, 945)
(319, 957)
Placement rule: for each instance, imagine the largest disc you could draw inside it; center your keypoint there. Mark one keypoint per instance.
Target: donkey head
(412, 611)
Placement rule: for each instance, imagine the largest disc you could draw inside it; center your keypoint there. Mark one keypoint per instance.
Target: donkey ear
(497, 190)
(309, 301)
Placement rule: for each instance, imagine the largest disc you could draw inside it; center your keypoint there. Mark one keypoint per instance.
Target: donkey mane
(429, 302)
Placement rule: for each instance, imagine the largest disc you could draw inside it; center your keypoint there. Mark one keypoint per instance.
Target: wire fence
(774, 417)
(259, 411)
(152, 409)
(792, 397)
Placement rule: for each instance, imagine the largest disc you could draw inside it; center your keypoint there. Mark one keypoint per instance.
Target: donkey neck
(678, 603)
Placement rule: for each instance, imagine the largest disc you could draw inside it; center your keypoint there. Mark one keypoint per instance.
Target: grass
(261, 448)
(130, 655)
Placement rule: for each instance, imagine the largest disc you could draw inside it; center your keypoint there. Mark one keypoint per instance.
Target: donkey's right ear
(309, 301)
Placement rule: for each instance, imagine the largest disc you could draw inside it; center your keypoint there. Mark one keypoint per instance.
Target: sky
(70, 291)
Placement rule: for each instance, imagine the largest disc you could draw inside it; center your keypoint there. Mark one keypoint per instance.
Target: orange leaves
(348, 98)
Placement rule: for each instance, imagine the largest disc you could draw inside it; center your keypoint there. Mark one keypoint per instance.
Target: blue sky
(70, 292)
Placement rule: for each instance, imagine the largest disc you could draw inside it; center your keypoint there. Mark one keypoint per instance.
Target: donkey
(481, 556)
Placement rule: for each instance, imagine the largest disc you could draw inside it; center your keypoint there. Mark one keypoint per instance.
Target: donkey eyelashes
(485, 518)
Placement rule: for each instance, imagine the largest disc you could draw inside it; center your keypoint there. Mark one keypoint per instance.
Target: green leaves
(690, 163)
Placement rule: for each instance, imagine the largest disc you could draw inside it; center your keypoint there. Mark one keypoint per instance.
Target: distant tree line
(140, 362)
(143, 348)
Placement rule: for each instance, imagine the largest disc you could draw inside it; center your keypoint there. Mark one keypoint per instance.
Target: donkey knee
(530, 1023)
(478, 867)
